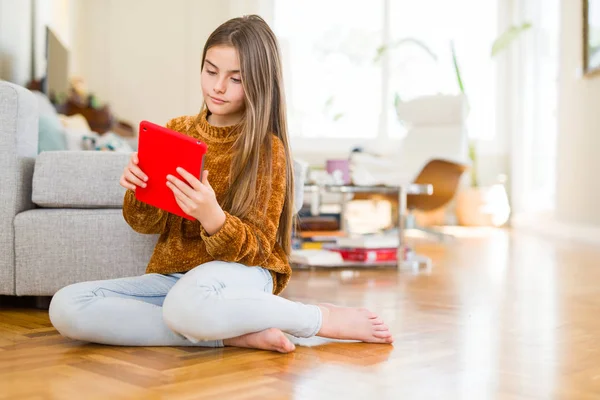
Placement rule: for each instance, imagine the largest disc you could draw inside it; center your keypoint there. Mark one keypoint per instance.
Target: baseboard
(546, 224)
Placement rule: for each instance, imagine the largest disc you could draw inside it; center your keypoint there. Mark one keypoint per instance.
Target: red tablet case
(160, 152)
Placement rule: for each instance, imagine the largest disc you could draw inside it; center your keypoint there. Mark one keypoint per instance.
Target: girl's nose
(219, 86)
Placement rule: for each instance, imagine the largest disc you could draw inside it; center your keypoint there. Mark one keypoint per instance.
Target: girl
(215, 281)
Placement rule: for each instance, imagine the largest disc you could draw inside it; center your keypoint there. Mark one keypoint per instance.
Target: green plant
(500, 44)
(327, 109)
(472, 144)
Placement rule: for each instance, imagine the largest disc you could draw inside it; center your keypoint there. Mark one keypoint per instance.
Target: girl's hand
(132, 174)
(197, 199)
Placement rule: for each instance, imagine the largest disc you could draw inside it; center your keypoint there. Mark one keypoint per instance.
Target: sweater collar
(221, 134)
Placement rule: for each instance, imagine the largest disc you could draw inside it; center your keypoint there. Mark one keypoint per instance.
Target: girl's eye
(210, 72)
(235, 80)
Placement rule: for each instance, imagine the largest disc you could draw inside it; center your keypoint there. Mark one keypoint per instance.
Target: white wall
(578, 165)
(15, 41)
(143, 56)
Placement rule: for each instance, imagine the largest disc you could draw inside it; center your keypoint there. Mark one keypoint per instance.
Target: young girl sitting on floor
(215, 281)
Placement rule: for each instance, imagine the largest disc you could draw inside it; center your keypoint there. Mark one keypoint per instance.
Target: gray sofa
(60, 216)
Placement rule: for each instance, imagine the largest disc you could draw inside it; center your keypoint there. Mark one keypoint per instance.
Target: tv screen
(57, 67)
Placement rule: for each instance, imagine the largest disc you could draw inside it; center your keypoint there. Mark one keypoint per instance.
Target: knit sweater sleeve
(250, 241)
(142, 217)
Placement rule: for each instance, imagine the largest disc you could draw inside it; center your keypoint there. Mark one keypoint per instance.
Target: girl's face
(222, 82)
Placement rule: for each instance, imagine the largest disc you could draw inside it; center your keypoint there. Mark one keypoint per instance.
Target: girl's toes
(382, 334)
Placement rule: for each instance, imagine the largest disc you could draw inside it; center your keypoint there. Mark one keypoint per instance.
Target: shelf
(415, 263)
(411, 188)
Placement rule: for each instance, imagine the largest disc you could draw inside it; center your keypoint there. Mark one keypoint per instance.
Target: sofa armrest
(18, 149)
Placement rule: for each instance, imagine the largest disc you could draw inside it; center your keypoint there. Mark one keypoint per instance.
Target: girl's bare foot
(353, 324)
(269, 339)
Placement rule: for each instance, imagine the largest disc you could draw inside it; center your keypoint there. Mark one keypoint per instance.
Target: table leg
(315, 202)
(344, 213)
(408, 259)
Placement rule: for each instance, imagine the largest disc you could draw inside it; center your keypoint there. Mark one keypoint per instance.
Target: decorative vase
(483, 206)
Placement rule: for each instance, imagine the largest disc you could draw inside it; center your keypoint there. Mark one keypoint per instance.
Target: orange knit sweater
(184, 244)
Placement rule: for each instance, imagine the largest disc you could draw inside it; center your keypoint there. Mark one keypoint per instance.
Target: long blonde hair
(265, 115)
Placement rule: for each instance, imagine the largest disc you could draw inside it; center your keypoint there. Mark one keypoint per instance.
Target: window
(333, 86)
(337, 88)
(535, 131)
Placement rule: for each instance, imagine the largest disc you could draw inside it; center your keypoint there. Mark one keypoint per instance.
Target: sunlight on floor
(456, 231)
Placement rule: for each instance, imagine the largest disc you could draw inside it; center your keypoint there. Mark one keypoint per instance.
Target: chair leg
(433, 232)
(411, 223)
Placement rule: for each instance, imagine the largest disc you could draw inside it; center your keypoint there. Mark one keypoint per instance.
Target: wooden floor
(500, 316)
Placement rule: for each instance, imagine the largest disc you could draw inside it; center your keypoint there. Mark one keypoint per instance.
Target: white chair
(436, 131)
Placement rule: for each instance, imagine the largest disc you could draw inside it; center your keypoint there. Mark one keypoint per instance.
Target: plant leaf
(397, 99)
(508, 36)
(457, 68)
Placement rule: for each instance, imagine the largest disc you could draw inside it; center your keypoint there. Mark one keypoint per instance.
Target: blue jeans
(214, 301)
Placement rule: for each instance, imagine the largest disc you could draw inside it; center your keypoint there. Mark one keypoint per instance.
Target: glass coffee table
(406, 258)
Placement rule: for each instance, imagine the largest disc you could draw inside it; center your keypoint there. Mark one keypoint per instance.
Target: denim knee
(191, 312)
(63, 311)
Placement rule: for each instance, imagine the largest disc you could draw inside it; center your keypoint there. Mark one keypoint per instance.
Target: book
(318, 223)
(317, 239)
(368, 255)
(317, 245)
(321, 235)
(369, 242)
(315, 257)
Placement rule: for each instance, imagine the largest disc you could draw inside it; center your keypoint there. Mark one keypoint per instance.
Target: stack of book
(368, 248)
(317, 232)
(320, 241)
(361, 249)
(317, 240)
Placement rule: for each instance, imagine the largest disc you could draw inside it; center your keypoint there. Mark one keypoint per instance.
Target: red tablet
(160, 152)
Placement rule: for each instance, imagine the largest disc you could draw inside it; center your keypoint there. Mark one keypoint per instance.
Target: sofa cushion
(79, 179)
(51, 134)
(55, 248)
